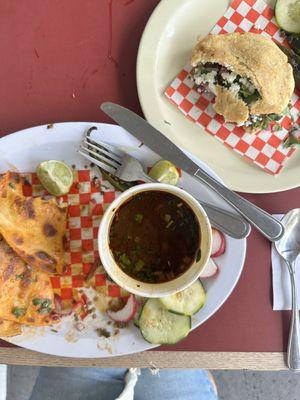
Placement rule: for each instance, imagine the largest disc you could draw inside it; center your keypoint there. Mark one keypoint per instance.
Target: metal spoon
(289, 249)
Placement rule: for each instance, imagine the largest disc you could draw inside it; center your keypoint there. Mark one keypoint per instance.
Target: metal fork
(129, 169)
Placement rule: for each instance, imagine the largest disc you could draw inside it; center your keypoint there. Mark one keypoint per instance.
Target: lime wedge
(165, 172)
(55, 176)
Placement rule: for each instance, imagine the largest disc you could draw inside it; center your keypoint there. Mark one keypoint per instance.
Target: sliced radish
(126, 313)
(59, 310)
(140, 301)
(210, 269)
(65, 313)
(57, 302)
(218, 243)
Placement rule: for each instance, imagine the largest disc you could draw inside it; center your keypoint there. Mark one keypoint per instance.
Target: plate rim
(166, 7)
(243, 242)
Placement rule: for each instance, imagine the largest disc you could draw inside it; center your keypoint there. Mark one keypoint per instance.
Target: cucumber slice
(287, 14)
(140, 301)
(187, 302)
(159, 326)
(136, 322)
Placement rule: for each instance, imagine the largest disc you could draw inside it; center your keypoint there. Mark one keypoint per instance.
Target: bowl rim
(157, 289)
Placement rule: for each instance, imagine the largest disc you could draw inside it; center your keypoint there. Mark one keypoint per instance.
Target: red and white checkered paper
(87, 201)
(265, 148)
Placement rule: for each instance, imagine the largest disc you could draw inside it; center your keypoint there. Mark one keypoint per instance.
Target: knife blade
(151, 137)
(160, 144)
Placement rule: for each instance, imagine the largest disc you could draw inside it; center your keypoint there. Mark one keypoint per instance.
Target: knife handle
(233, 225)
(270, 227)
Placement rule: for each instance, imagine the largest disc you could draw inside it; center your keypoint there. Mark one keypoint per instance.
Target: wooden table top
(153, 359)
(60, 59)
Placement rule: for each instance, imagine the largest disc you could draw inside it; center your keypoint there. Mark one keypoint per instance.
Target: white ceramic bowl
(154, 289)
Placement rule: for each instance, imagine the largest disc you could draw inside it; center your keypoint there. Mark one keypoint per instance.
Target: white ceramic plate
(165, 48)
(24, 150)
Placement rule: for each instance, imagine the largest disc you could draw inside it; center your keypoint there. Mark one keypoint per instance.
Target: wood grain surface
(153, 359)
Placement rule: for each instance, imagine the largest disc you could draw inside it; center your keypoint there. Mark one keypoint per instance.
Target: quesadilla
(35, 228)
(26, 295)
(249, 75)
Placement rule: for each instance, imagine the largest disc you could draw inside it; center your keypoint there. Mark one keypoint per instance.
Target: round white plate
(24, 150)
(165, 48)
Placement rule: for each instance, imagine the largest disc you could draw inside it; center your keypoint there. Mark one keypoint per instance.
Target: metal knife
(160, 144)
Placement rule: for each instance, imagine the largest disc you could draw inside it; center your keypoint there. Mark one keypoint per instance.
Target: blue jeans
(107, 384)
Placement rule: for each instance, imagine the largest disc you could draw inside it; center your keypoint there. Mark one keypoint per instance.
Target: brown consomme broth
(155, 237)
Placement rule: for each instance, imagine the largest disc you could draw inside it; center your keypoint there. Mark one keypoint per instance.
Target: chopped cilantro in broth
(155, 237)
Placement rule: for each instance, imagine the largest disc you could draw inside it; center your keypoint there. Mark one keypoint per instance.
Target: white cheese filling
(208, 77)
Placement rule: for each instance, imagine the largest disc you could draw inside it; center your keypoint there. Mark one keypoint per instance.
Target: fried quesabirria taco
(26, 295)
(34, 227)
(11, 180)
(9, 328)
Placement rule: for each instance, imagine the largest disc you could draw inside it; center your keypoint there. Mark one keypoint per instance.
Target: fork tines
(102, 154)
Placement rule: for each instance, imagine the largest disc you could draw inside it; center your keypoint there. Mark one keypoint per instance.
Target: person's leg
(175, 384)
(107, 384)
(78, 384)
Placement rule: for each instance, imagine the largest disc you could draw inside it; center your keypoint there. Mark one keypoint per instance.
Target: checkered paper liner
(265, 148)
(88, 199)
